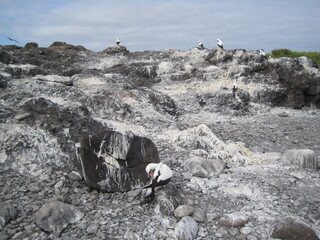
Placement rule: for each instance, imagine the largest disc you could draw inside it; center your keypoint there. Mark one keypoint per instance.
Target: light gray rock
(55, 216)
(304, 158)
(130, 235)
(233, 220)
(183, 210)
(29, 151)
(186, 229)
(203, 167)
(75, 176)
(199, 215)
(93, 228)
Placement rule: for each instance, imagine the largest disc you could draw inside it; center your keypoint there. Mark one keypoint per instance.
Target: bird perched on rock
(262, 52)
(200, 45)
(160, 174)
(234, 88)
(118, 41)
(220, 43)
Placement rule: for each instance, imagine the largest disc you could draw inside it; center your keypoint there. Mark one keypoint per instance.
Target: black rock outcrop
(113, 162)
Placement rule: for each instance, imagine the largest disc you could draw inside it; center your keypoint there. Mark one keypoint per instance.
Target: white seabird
(160, 174)
(118, 41)
(200, 45)
(220, 43)
(262, 52)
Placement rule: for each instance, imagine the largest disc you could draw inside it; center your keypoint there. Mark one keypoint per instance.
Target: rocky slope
(231, 179)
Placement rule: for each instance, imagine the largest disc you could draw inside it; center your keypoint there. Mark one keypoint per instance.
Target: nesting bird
(220, 43)
(160, 174)
(118, 41)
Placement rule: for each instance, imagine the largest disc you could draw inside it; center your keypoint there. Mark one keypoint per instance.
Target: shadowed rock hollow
(249, 157)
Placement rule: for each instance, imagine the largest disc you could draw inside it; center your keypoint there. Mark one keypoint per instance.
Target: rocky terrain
(245, 164)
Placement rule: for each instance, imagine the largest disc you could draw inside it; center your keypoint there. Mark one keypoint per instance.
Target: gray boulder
(218, 55)
(7, 213)
(199, 215)
(113, 162)
(203, 167)
(115, 49)
(55, 216)
(233, 220)
(292, 229)
(304, 158)
(186, 229)
(183, 210)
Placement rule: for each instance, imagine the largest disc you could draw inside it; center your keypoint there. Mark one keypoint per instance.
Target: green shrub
(277, 53)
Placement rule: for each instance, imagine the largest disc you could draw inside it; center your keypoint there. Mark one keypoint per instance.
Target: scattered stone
(75, 176)
(246, 230)
(199, 215)
(93, 228)
(289, 228)
(233, 220)
(186, 229)
(130, 235)
(22, 116)
(183, 210)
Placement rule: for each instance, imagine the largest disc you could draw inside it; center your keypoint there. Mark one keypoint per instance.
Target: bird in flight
(13, 40)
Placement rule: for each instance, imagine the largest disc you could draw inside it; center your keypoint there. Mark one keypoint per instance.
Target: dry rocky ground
(183, 102)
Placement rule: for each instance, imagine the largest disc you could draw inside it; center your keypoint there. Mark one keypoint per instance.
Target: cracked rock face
(113, 162)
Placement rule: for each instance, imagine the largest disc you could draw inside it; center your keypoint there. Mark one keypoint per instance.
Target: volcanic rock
(113, 161)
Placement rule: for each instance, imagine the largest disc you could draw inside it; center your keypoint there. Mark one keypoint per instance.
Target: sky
(162, 24)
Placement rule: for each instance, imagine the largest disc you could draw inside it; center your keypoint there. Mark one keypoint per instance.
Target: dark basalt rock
(112, 161)
(6, 57)
(31, 45)
(66, 46)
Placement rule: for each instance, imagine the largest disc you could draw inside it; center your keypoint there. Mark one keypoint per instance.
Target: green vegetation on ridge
(277, 53)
